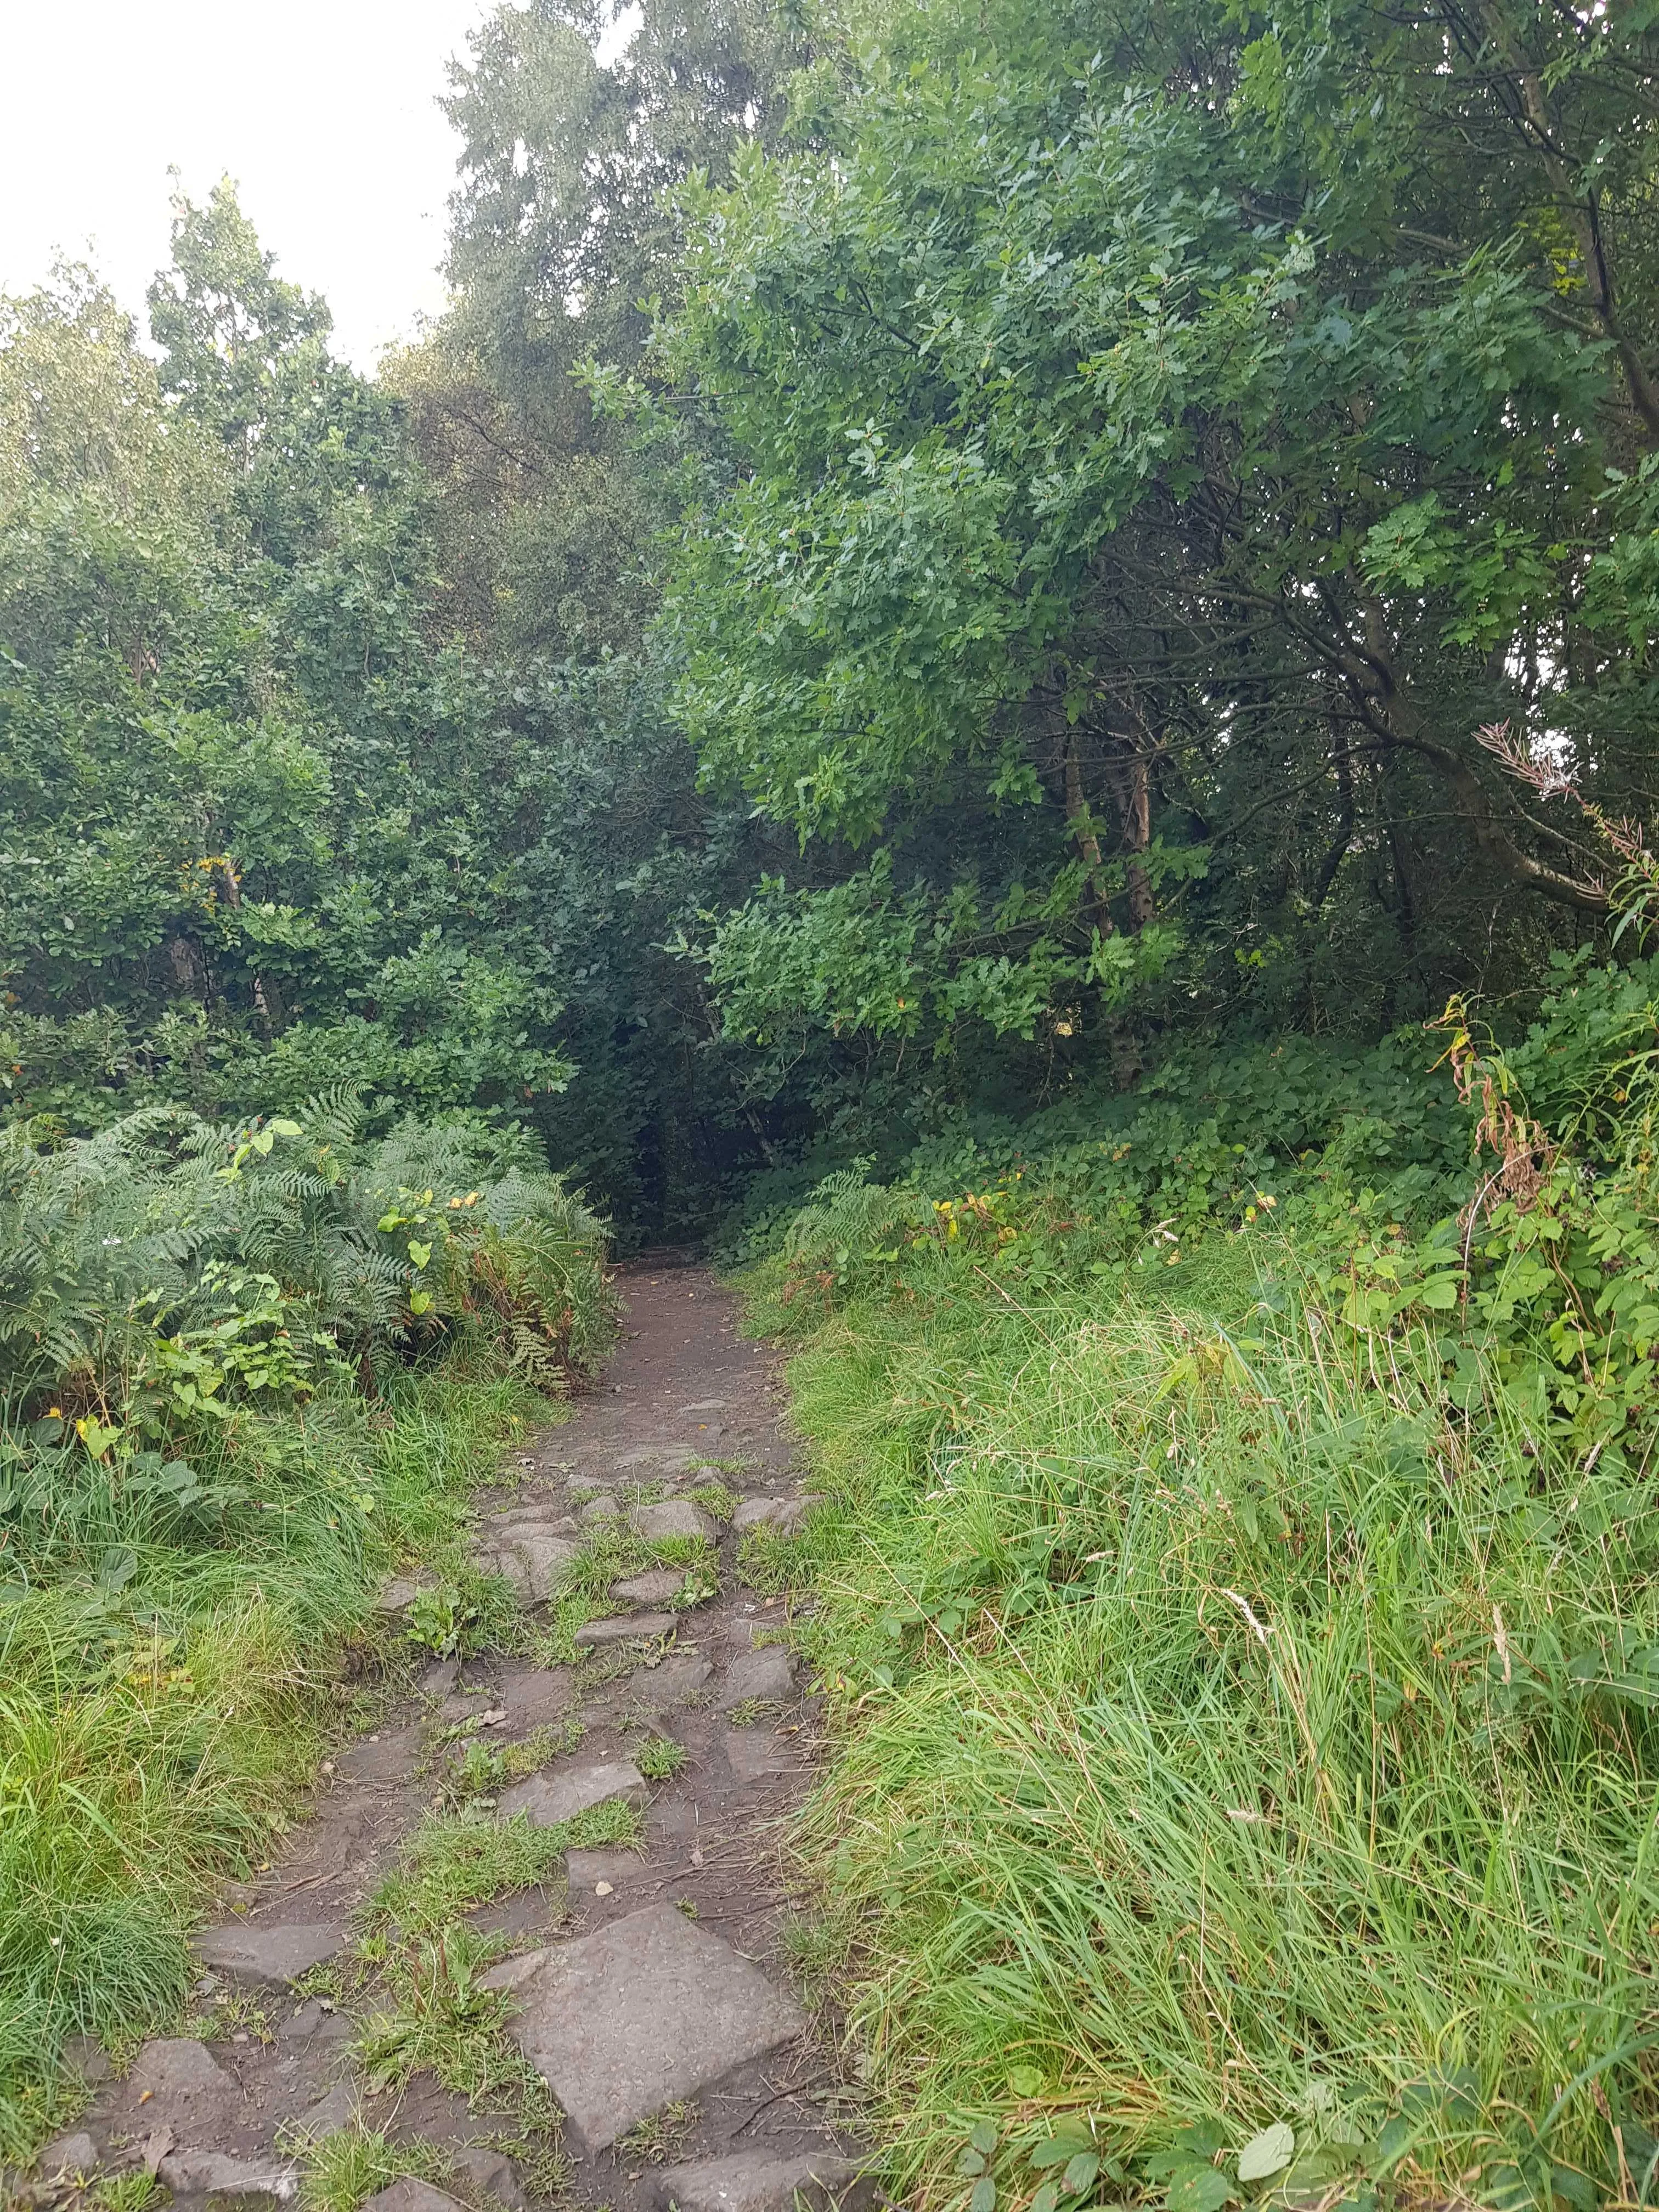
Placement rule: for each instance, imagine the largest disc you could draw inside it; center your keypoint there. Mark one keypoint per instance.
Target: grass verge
(1242, 1784)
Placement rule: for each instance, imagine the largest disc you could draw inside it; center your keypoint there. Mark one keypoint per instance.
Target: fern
(104, 1242)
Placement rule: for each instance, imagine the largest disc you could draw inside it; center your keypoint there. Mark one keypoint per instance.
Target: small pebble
(601, 1889)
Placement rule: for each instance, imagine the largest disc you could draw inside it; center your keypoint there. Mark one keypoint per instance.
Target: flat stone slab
(675, 1517)
(653, 1588)
(380, 1757)
(669, 1455)
(514, 1973)
(533, 1559)
(275, 1955)
(623, 1628)
(312, 2020)
(328, 2115)
(767, 1674)
(753, 1753)
(524, 1916)
(670, 1683)
(536, 1695)
(585, 1870)
(409, 2195)
(540, 1514)
(753, 2182)
(189, 2172)
(783, 1514)
(401, 1592)
(491, 2173)
(552, 1796)
(758, 1628)
(68, 2157)
(174, 2071)
(622, 2022)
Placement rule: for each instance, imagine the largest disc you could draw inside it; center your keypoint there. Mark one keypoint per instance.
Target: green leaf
(420, 1254)
(1080, 2172)
(969, 2161)
(1047, 2197)
(1270, 2152)
(983, 2197)
(1198, 2189)
(1025, 2080)
(984, 2138)
(1064, 2144)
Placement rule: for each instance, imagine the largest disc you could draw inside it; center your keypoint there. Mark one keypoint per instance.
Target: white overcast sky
(322, 111)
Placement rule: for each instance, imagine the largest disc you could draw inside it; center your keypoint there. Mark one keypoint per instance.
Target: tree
(1168, 437)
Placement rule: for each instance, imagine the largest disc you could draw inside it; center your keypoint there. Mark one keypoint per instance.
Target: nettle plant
(247, 1349)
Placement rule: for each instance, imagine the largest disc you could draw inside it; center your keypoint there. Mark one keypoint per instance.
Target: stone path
(645, 1989)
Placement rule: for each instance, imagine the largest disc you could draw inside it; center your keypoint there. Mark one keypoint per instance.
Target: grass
(659, 1757)
(656, 2139)
(748, 1711)
(771, 1562)
(434, 2016)
(609, 1551)
(345, 2169)
(127, 2192)
(695, 1553)
(1228, 1734)
(415, 1977)
(717, 1500)
(701, 1585)
(481, 1768)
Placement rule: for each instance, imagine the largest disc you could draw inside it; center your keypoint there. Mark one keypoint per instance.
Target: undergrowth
(230, 1410)
(1242, 1692)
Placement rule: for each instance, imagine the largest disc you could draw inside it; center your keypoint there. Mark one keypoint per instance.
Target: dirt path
(646, 1989)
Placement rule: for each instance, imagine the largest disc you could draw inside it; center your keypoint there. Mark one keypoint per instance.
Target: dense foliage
(266, 820)
(1171, 437)
(1111, 499)
(1037, 624)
